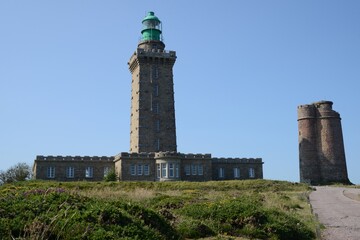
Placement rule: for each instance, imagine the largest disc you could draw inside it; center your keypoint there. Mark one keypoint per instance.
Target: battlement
(73, 158)
(320, 109)
(197, 156)
(167, 154)
(135, 155)
(237, 160)
(155, 53)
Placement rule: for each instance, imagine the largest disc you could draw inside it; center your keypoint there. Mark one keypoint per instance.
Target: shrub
(55, 213)
(110, 176)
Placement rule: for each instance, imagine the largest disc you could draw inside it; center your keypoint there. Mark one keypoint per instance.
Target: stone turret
(321, 146)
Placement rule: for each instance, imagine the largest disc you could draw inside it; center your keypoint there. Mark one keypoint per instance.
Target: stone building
(321, 145)
(153, 152)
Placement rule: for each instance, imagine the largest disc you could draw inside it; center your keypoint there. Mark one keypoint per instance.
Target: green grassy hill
(256, 209)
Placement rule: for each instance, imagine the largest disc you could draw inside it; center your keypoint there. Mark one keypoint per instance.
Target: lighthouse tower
(152, 125)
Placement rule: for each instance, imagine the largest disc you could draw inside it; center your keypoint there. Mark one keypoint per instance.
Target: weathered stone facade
(159, 166)
(153, 152)
(321, 147)
(70, 168)
(152, 127)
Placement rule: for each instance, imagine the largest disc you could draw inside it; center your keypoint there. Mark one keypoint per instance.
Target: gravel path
(338, 209)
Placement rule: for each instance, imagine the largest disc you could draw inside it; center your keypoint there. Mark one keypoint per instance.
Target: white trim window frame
(221, 172)
(70, 172)
(236, 172)
(187, 170)
(50, 172)
(106, 171)
(176, 170)
(163, 170)
(158, 170)
(132, 169)
(251, 172)
(193, 169)
(139, 169)
(200, 170)
(146, 170)
(171, 170)
(89, 171)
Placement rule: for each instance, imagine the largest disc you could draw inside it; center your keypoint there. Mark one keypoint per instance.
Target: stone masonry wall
(98, 165)
(321, 147)
(152, 101)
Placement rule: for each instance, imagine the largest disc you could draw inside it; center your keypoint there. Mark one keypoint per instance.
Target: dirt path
(338, 209)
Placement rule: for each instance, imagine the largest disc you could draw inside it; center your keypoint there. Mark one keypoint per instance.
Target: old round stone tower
(152, 93)
(321, 145)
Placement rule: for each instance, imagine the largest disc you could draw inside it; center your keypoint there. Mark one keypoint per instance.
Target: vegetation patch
(257, 209)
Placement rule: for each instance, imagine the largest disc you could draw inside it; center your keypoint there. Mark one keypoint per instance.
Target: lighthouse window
(155, 72)
(157, 125)
(157, 144)
(155, 107)
(156, 90)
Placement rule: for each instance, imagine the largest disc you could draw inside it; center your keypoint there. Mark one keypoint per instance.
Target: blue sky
(243, 67)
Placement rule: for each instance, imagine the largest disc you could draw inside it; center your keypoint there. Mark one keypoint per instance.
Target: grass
(249, 209)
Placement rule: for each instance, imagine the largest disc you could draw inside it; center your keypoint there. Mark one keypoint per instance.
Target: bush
(256, 209)
(110, 176)
(245, 216)
(19, 172)
(55, 213)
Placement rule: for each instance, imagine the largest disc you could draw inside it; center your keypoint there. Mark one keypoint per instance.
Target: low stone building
(153, 150)
(70, 168)
(160, 166)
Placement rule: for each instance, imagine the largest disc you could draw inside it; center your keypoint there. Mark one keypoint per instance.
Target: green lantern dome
(151, 28)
